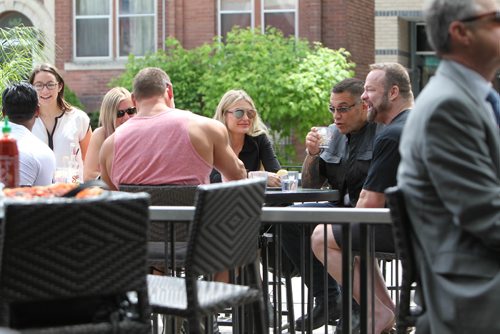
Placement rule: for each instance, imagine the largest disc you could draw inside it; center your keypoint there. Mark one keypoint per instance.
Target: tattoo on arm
(311, 177)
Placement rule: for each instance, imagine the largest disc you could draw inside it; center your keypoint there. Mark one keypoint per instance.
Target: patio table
(276, 196)
(344, 216)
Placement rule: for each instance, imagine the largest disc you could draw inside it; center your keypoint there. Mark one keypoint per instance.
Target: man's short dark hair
(20, 102)
(149, 82)
(351, 85)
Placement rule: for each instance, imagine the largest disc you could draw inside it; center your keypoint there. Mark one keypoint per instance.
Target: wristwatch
(314, 155)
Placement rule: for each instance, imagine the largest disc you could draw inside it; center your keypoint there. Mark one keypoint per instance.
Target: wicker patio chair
(176, 234)
(223, 236)
(402, 230)
(75, 265)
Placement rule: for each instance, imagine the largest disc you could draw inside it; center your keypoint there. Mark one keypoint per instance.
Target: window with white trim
(281, 14)
(134, 23)
(136, 27)
(235, 13)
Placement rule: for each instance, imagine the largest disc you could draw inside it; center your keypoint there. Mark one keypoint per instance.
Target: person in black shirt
(248, 135)
(343, 166)
(389, 97)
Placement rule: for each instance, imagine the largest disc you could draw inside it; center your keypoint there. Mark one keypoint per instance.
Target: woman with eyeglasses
(64, 128)
(116, 109)
(248, 135)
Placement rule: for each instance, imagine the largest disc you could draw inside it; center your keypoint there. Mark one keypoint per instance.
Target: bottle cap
(6, 127)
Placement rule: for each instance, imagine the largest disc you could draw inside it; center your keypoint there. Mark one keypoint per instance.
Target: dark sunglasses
(239, 113)
(491, 16)
(341, 110)
(130, 111)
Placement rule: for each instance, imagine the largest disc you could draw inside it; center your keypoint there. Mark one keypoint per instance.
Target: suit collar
(473, 84)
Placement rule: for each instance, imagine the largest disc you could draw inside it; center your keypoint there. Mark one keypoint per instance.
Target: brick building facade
(335, 23)
(400, 37)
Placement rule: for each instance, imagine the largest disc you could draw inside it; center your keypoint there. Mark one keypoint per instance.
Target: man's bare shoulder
(205, 123)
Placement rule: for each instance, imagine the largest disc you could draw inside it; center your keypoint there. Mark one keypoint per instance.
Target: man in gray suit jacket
(450, 171)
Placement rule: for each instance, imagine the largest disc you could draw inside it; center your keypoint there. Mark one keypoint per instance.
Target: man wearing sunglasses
(450, 171)
(343, 166)
(164, 145)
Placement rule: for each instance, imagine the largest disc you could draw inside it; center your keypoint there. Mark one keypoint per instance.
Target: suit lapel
(464, 84)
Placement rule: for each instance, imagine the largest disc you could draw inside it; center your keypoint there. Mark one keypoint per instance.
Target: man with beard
(389, 97)
(450, 171)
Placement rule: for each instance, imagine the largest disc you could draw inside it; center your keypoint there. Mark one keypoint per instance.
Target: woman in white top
(116, 109)
(63, 127)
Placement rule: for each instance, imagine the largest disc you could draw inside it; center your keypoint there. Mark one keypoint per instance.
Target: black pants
(291, 241)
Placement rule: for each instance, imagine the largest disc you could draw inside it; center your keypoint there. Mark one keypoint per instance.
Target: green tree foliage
(185, 68)
(289, 80)
(19, 47)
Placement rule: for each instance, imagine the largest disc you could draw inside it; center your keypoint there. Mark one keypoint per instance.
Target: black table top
(301, 195)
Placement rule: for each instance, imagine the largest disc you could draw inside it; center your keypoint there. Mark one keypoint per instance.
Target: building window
(136, 27)
(423, 45)
(235, 13)
(281, 14)
(14, 19)
(92, 29)
(94, 35)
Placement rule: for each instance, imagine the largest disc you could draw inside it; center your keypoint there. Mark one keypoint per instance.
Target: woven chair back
(182, 195)
(65, 248)
(224, 232)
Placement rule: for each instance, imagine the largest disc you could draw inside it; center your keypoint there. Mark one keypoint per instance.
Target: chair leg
(289, 293)
(259, 313)
(154, 320)
(194, 325)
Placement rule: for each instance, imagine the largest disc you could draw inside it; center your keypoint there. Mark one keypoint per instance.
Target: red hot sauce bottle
(9, 158)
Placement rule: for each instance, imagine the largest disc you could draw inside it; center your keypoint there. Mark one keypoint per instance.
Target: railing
(314, 216)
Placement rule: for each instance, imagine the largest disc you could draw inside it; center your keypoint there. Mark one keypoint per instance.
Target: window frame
(220, 12)
(117, 26)
(110, 27)
(114, 32)
(264, 11)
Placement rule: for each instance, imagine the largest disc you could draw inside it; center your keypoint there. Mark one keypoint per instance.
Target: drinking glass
(290, 182)
(258, 174)
(326, 134)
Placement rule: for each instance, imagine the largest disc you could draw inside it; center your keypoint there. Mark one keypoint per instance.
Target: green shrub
(289, 79)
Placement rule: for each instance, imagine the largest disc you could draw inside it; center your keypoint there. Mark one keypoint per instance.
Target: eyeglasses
(491, 16)
(239, 113)
(130, 111)
(341, 110)
(49, 85)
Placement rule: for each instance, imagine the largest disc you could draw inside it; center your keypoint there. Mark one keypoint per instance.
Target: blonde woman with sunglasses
(248, 135)
(116, 109)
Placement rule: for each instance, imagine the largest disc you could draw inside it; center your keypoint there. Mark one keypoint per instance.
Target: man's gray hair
(439, 14)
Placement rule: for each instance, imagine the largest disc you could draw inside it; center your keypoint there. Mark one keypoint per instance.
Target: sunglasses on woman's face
(130, 111)
(239, 113)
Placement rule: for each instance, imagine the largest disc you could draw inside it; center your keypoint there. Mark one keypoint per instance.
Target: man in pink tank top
(164, 145)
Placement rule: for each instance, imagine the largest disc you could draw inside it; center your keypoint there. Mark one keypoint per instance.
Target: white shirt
(71, 127)
(37, 162)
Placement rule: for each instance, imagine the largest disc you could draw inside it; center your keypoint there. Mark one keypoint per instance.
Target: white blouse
(70, 127)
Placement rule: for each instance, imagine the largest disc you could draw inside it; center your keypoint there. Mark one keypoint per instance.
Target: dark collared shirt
(345, 163)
